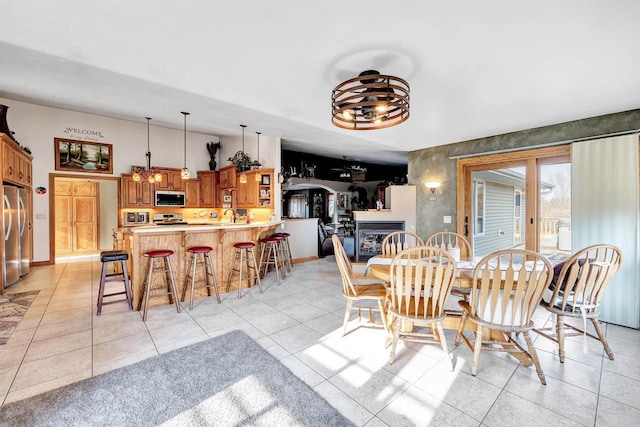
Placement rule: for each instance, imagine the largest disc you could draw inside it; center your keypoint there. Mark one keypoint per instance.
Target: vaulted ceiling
(476, 68)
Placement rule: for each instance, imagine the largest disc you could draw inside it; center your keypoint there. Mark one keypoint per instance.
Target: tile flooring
(61, 341)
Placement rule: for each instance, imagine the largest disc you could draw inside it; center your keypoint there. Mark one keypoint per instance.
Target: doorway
(106, 215)
(505, 200)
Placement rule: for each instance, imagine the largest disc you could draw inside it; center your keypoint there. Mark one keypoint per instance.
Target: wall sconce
(432, 186)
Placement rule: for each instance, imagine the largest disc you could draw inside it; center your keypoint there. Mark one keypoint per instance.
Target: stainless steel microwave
(170, 198)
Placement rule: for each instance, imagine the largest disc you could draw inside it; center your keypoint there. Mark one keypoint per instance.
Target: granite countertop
(196, 226)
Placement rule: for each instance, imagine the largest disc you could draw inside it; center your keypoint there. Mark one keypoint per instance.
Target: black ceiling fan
(346, 172)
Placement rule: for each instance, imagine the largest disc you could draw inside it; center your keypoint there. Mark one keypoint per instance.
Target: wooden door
(76, 217)
(192, 193)
(208, 189)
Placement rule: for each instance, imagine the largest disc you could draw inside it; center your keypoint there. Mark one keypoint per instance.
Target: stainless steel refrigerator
(24, 230)
(11, 241)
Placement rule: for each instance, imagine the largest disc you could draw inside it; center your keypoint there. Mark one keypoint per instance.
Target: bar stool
(190, 277)
(107, 257)
(244, 251)
(148, 287)
(271, 247)
(286, 249)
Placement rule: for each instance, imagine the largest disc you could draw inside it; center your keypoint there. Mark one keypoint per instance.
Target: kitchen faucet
(233, 213)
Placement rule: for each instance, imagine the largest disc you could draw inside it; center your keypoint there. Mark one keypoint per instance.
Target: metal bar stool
(107, 257)
(286, 249)
(147, 287)
(190, 277)
(270, 256)
(244, 252)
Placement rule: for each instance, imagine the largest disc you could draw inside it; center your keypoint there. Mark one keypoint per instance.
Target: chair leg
(443, 343)
(346, 316)
(103, 279)
(209, 271)
(396, 337)
(172, 283)
(476, 350)
(383, 315)
(127, 284)
(242, 255)
(256, 272)
(233, 265)
(560, 333)
(461, 328)
(186, 278)
(534, 357)
(602, 338)
(194, 265)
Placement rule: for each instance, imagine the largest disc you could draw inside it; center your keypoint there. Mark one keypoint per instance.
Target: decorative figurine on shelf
(213, 148)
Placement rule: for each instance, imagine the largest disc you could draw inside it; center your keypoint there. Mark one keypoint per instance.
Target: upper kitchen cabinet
(228, 177)
(209, 189)
(16, 163)
(171, 180)
(192, 193)
(136, 194)
(257, 191)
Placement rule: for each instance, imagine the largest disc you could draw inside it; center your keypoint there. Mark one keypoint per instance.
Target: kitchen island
(180, 237)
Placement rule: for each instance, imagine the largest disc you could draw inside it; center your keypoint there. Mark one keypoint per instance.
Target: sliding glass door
(515, 200)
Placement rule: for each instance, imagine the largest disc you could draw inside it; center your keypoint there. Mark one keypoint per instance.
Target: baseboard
(40, 263)
(299, 260)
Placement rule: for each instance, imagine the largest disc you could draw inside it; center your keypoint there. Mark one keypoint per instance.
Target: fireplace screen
(369, 237)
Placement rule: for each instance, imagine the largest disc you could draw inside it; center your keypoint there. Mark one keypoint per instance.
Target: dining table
(379, 266)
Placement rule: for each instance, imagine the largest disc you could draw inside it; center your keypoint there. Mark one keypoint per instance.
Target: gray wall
(434, 164)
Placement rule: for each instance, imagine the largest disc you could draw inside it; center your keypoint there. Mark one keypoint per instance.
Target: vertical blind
(605, 208)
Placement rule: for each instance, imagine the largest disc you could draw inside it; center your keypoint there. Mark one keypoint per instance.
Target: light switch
(447, 219)
(41, 216)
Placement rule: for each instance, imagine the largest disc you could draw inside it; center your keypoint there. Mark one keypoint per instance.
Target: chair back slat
(508, 286)
(344, 266)
(397, 241)
(446, 240)
(585, 276)
(421, 279)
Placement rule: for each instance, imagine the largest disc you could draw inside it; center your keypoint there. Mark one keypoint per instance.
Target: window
(517, 216)
(297, 206)
(478, 208)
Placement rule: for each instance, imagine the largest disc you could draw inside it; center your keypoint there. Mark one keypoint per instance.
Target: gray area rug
(228, 380)
(12, 310)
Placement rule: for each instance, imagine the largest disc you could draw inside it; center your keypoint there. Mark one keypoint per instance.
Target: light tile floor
(61, 341)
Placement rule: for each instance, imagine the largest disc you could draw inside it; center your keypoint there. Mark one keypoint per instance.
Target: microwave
(170, 198)
(135, 218)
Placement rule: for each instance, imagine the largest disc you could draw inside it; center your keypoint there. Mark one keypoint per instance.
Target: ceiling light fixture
(256, 163)
(149, 174)
(241, 160)
(185, 174)
(370, 101)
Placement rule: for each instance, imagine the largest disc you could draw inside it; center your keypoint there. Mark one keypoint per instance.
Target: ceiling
(476, 68)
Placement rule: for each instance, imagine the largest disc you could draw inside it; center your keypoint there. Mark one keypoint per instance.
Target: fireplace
(369, 237)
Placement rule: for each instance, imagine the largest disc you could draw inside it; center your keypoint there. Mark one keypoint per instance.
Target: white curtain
(605, 199)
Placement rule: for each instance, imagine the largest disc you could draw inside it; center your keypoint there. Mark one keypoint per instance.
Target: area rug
(228, 380)
(12, 310)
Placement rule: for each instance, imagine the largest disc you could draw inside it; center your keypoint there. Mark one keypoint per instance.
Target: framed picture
(266, 179)
(83, 156)
(264, 193)
(226, 199)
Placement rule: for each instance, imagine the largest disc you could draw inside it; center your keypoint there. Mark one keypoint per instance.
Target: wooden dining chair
(397, 241)
(576, 292)
(507, 288)
(354, 291)
(421, 278)
(446, 240)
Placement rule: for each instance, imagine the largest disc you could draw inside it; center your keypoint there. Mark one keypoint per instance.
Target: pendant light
(149, 174)
(185, 174)
(243, 176)
(256, 163)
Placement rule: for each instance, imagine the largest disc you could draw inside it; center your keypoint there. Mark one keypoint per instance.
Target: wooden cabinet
(192, 193)
(16, 163)
(171, 180)
(136, 194)
(209, 189)
(228, 177)
(256, 193)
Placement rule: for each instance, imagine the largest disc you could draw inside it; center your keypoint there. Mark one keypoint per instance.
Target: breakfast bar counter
(179, 237)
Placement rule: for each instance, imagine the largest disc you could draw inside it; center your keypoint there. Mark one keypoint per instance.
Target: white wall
(36, 127)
